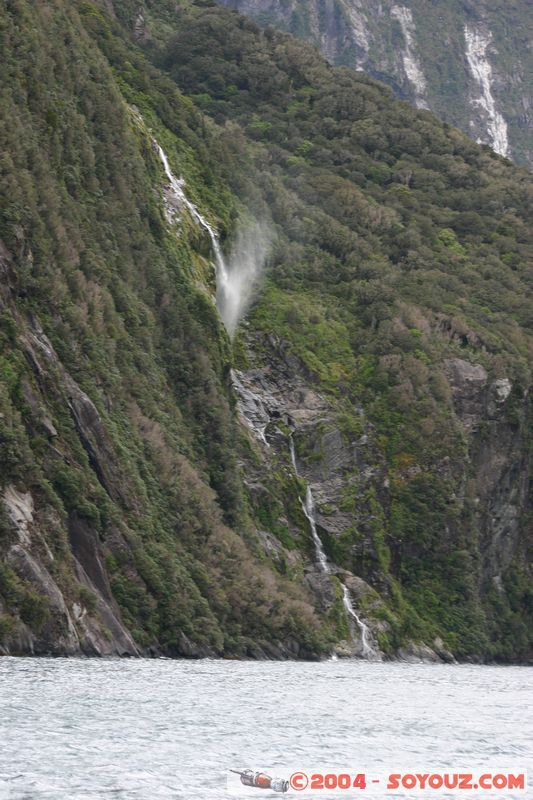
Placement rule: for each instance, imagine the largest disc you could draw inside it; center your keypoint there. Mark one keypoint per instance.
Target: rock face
(294, 423)
(374, 500)
(280, 401)
(68, 625)
(500, 466)
(471, 65)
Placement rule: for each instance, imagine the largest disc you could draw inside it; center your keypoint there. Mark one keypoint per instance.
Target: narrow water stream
(225, 286)
(228, 300)
(308, 507)
(238, 277)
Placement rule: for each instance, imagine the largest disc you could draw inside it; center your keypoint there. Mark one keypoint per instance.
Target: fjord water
(161, 729)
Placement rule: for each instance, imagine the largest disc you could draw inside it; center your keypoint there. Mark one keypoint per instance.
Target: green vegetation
(87, 255)
(369, 36)
(399, 244)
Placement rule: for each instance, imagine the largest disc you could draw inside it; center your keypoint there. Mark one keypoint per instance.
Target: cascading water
(367, 650)
(293, 454)
(176, 186)
(236, 281)
(477, 42)
(308, 507)
(234, 288)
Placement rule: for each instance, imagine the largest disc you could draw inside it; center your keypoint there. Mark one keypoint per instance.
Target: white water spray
(237, 280)
(245, 268)
(308, 507)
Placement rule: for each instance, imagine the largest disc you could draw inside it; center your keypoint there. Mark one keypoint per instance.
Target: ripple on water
(160, 729)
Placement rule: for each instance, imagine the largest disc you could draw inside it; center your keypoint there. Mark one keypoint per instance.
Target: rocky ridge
(471, 65)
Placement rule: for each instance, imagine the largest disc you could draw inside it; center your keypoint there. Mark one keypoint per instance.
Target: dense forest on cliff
(140, 515)
(469, 61)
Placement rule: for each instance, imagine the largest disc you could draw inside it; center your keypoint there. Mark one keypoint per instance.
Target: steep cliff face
(351, 471)
(470, 63)
(122, 514)
(480, 547)
(377, 347)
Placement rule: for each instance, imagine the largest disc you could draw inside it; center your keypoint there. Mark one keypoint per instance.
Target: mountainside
(352, 470)
(471, 62)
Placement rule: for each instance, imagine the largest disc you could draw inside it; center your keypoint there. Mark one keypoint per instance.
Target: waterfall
(308, 507)
(368, 651)
(477, 42)
(293, 454)
(236, 281)
(234, 289)
(176, 187)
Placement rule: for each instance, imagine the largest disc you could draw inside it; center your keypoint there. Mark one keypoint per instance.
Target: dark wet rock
(280, 400)
(444, 654)
(57, 634)
(95, 441)
(468, 382)
(418, 654)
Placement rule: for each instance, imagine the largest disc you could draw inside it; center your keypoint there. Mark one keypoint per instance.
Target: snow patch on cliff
(477, 42)
(411, 64)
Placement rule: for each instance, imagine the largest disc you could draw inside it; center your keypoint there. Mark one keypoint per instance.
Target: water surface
(160, 729)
